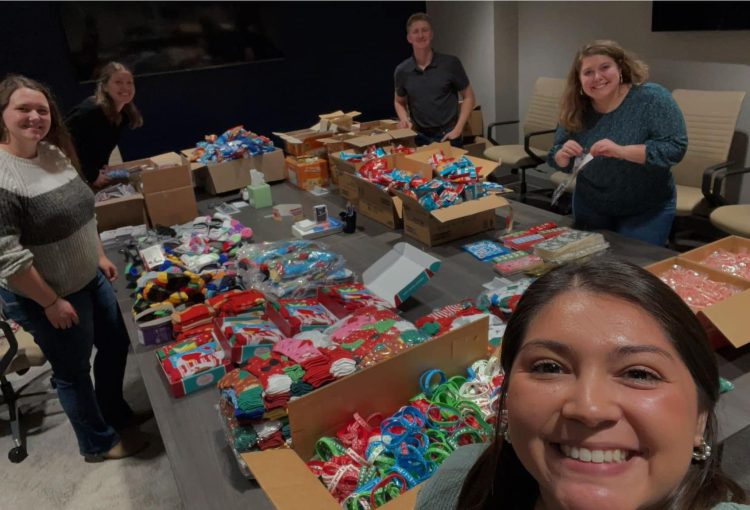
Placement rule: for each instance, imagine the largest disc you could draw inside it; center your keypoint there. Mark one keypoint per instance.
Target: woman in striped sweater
(53, 271)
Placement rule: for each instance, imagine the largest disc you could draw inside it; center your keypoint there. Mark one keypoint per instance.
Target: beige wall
(466, 29)
(550, 33)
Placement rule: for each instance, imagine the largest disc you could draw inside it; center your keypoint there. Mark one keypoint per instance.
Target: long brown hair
(574, 102)
(58, 134)
(499, 480)
(103, 99)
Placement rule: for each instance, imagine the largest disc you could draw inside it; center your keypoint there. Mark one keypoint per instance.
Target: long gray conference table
(204, 468)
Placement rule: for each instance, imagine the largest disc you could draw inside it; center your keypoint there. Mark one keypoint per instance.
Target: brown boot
(129, 445)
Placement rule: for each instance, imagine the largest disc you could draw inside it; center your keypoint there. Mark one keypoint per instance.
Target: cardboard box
(171, 207)
(337, 121)
(304, 142)
(383, 124)
(383, 388)
(235, 174)
(399, 273)
(474, 124)
(477, 147)
(380, 138)
(307, 173)
(734, 244)
(165, 176)
(377, 203)
(119, 212)
(727, 321)
(443, 225)
(486, 167)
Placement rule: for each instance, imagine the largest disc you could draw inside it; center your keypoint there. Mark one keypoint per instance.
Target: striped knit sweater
(46, 219)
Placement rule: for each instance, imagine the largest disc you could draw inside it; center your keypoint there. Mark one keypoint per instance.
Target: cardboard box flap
(397, 134)
(287, 482)
(338, 114)
(371, 139)
(469, 207)
(398, 205)
(382, 388)
(486, 166)
(730, 317)
(398, 273)
(168, 158)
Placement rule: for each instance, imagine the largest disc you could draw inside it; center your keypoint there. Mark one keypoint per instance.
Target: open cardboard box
(383, 388)
(486, 167)
(727, 321)
(397, 274)
(379, 138)
(171, 207)
(235, 174)
(450, 223)
(120, 212)
(307, 173)
(337, 121)
(380, 205)
(733, 244)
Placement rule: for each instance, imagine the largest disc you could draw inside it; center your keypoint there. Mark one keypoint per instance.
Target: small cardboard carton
(399, 273)
(307, 173)
(192, 383)
(725, 322)
(443, 225)
(161, 174)
(382, 388)
(119, 212)
(377, 203)
(304, 142)
(172, 206)
(235, 174)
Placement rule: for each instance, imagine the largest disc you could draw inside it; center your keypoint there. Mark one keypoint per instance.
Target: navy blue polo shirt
(432, 94)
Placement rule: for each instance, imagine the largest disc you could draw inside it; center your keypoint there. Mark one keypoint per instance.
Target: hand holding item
(570, 149)
(606, 148)
(108, 268)
(102, 181)
(61, 314)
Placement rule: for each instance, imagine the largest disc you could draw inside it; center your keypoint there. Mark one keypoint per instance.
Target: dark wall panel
(338, 55)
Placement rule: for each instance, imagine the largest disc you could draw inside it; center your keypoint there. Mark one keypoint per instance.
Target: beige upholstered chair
(734, 219)
(18, 353)
(710, 118)
(538, 127)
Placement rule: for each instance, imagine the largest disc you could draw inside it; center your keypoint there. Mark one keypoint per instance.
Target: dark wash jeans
(93, 412)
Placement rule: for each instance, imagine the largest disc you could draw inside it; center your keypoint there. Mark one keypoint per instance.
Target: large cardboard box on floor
(474, 124)
(727, 321)
(234, 174)
(383, 388)
(450, 223)
(380, 205)
(120, 212)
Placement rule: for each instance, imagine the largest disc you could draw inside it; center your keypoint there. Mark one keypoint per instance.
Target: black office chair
(21, 354)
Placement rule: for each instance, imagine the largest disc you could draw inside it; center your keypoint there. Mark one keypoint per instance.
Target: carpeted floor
(54, 474)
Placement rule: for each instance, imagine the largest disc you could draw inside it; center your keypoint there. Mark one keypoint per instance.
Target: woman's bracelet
(57, 298)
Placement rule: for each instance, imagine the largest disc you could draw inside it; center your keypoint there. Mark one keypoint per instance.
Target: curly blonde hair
(574, 103)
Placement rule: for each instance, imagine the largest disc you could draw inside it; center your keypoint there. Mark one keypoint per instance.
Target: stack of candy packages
(291, 268)
(375, 459)
(235, 143)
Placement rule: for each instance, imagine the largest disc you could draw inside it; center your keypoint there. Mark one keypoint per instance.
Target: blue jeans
(652, 226)
(94, 411)
(424, 139)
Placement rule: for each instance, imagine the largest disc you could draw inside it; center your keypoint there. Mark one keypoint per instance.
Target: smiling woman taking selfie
(97, 123)
(610, 394)
(635, 133)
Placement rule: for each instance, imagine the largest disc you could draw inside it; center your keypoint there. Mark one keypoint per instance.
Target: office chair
(19, 353)
(731, 218)
(538, 127)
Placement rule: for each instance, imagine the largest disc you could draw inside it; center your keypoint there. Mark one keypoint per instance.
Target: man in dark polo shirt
(427, 88)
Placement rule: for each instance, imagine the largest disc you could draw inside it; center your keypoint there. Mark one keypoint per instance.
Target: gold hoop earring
(702, 452)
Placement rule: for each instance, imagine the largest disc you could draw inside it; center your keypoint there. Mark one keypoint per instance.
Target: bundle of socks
(441, 320)
(346, 298)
